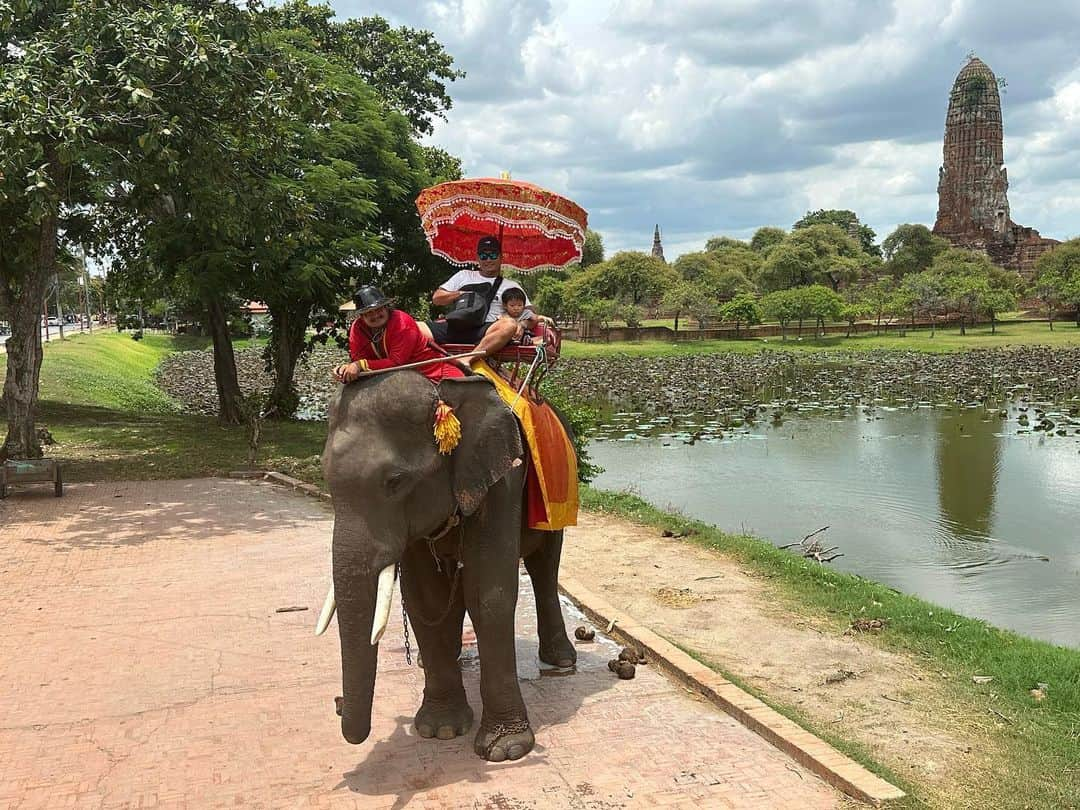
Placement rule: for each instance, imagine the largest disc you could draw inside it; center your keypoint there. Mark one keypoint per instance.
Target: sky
(713, 117)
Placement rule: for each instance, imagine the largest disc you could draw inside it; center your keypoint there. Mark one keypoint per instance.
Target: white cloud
(719, 117)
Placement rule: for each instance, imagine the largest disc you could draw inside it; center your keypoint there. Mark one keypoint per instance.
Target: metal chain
(501, 730)
(404, 620)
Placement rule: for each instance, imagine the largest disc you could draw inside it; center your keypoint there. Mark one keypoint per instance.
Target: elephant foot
(559, 652)
(504, 741)
(444, 721)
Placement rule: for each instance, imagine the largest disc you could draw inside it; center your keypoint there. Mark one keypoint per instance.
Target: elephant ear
(490, 439)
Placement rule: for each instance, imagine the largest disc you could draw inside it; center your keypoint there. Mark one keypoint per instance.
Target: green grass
(1041, 740)
(946, 340)
(99, 401)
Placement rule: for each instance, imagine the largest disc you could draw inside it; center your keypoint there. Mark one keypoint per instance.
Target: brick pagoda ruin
(973, 203)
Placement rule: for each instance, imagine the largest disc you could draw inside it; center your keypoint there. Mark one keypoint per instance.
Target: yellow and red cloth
(551, 485)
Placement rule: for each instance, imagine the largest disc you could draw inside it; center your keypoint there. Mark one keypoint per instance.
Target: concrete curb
(815, 755)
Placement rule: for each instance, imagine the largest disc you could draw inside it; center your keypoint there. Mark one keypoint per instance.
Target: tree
(823, 303)
(592, 251)
(406, 67)
(550, 298)
(852, 311)
(845, 220)
(911, 249)
(344, 189)
(693, 267)
(968, 277)
(928, 295)
(198, 210)
(630, 276)
(743, 309)
(1057, 273)
(86, 90)
(995, 301)
(721, 242)
(766, 238)
(878, 296)
(780, 306)
(814, 254)
(679, 298)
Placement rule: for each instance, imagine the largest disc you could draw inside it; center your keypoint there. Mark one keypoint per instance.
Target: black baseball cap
(488, 243)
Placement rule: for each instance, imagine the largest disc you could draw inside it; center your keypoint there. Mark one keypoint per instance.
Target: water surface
(953, 505)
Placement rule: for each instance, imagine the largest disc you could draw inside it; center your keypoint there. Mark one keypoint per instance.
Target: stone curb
(815, 755)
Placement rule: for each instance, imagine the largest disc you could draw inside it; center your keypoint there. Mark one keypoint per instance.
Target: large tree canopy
(846, 221)
(89, 92)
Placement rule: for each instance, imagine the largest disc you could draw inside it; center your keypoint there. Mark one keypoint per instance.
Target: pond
(970, 508)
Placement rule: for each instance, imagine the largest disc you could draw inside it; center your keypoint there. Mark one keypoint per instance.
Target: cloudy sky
(720, 116)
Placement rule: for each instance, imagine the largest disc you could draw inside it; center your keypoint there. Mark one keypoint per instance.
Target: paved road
(54, 333)
(142, 663)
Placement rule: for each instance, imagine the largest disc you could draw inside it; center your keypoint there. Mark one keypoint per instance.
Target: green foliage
(743, 309)
(693, 267)
(781, 306)
(911, 249)
(550, 296)
(814, 254)
(632, 314)
(1057, 277)
(407, 67)
(844, 220)
(592, 251)
(765, 239)
(721, 242)
(629, 276)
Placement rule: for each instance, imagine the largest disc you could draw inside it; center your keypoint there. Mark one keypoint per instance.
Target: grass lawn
(1039, 740)
(99, 401)
(946, 340)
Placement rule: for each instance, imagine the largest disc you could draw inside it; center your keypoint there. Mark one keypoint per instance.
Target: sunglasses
(488, 255)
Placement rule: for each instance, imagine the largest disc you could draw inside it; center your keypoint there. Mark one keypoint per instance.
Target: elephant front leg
(445, 711)
(504, 731)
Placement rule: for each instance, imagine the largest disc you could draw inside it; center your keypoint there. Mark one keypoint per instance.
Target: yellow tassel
(447, 428)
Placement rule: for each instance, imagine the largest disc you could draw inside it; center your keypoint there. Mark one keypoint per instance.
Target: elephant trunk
(363, 607)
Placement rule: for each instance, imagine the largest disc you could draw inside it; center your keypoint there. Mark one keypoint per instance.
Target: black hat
(488, 242)
(368, 298)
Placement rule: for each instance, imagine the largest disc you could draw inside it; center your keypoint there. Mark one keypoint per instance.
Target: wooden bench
(31, 471)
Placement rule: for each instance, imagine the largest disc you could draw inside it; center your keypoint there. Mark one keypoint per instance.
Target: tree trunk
(800, 327)
(24, 344)
(993, 325)
(676, 321)
(286, 343)
(962, 319)
(228, 388)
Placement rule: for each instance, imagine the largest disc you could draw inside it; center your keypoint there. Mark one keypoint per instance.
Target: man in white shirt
(498, 328)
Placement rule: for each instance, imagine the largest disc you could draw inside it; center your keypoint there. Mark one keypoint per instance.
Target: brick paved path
(142, 664)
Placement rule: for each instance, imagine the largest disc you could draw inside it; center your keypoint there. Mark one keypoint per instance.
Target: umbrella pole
(500, 236)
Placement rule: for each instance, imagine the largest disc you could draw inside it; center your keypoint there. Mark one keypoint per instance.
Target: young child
(513, 301)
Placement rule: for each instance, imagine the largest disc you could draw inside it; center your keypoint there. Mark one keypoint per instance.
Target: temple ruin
(973, 203)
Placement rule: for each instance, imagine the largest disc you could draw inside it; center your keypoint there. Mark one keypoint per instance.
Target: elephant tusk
(382, 603)
(328, 608)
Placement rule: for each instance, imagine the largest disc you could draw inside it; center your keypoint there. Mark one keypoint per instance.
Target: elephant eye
(394, 482)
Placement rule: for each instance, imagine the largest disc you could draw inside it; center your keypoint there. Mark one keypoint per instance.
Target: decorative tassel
(447, 428)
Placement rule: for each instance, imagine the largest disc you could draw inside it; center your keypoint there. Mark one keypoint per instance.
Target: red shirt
(397, 343)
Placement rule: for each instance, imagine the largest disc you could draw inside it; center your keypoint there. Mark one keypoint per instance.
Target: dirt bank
(905, 716)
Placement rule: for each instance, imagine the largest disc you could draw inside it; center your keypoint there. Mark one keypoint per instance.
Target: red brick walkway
(142, 664)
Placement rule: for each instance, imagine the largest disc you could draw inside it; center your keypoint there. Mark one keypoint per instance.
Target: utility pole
(59, 309)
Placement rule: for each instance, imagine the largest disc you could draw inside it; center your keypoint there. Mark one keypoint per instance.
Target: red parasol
(538, 228)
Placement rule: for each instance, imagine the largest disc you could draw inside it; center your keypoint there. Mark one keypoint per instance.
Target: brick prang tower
(973, 202)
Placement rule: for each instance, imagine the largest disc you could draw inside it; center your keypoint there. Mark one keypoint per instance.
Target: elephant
(392, 493)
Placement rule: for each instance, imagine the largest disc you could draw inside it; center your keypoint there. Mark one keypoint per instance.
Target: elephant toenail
(445, 733)
(425, 731)
(497, 754)
(516, 751)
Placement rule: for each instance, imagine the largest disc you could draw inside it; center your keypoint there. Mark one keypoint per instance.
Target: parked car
(53, 321)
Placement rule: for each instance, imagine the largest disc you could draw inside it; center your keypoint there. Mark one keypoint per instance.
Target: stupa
(973, 202)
